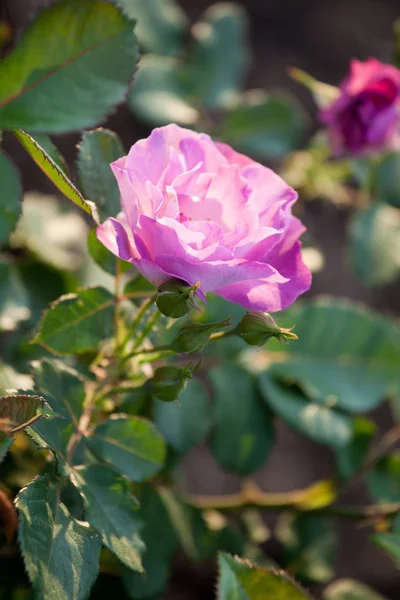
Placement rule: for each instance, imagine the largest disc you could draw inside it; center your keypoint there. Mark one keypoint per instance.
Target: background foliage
(107, 497)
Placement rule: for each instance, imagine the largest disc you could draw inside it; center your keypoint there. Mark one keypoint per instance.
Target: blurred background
(320, 37)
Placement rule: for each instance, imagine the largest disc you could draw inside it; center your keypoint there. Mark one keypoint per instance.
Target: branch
(251, 496)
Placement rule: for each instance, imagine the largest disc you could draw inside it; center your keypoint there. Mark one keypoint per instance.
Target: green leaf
(43, 284)
(112, 510)
(53, 171)
(10, 379)
(160, 95)
(243, 435)
(97, 149)
(69, 69)
(20, 410)
(77, 322)
(389, 543)
(161, 24)
(346, 356)
(161, 543)
(350, 458)
(219, 55)
(310, 545)
(131, 444)
(54, 235)
(349, 589)
(45, 143)
(5, 443)
(10, 197)
(320, 423)
(61, 555)
(240, 580)
(264, 125)
(14, 305)
(375, 244)
(63, 389)
(383, 480)
(387, 179)
(175, 420)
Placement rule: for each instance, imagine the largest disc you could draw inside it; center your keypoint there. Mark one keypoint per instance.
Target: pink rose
(365, 116)
(197, 210)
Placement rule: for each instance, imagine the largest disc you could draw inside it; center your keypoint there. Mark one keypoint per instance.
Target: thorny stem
(139, 315)
(117, 310)
(83, 424)
(251, 496)
(147, 329)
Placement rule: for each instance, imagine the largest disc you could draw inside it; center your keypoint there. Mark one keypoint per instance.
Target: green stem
(139, 316)
(221, 335)
(147, 329)
(117, 309)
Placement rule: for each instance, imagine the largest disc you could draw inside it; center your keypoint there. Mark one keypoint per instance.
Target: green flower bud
(176, 298)
(257, 328)
(194, 337)
(168, 382)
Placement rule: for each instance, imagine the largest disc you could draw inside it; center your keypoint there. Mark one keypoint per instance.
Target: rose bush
(364, 118)
(196, 210)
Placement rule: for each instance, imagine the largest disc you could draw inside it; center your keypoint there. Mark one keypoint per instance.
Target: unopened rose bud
(257, 328)
(194, 337)
(168, 382)
(176, 298)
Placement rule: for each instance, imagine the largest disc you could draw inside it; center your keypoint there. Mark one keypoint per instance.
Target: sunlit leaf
(112, 510)
(387, 179)
(383, 479)
(375, 243)
(70, 67)
(131, 444)
(390, 544)
(10, 197)
(14, 304)
(161, 543)
(54, 172)
(310, 546)
(175, 420)
(159, 95)
(97, 149)
(54, 235)
(77, 322)
(346, 356)
(61, 555)
(264, 125)
(240, 580)
(349, 589)
(219, 54)
(243, 435)
(63, 389)
(320, 423)
(160, 25)
(350, 458)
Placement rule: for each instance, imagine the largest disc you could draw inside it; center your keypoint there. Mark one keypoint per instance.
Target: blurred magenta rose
(197, 210)
(364, 118)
